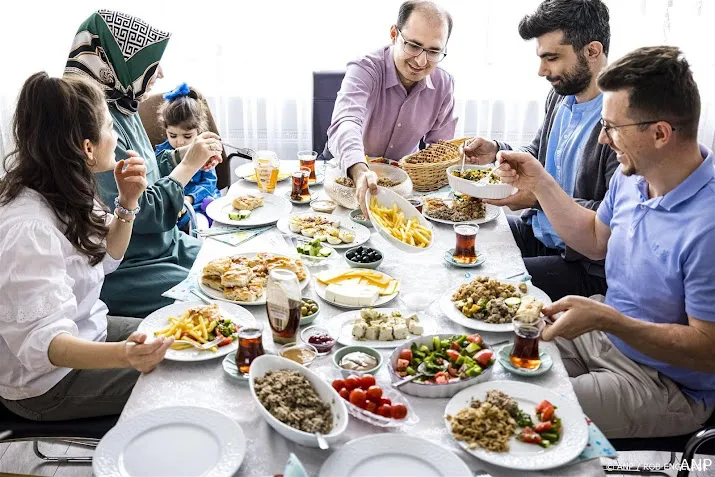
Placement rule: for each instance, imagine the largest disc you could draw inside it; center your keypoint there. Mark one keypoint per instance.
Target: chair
(79, 431)
(326, 85)
(702, 441)
(148, 112)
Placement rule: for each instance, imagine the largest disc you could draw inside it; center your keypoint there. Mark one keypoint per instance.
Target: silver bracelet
(118, 207)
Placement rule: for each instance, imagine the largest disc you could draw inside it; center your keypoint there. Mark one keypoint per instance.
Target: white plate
(381, 300)
(386, 198)
(524, 456)
(217, 295)
(362, 233)
(160, 319)
(342, 327)
(448, 308)
(492, 213)
(396, 455)
(172, 442)
(274, 207)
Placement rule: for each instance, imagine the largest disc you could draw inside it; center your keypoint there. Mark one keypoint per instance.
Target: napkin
(597, 446)
(237, 238)
(293, 468)
(182, 291)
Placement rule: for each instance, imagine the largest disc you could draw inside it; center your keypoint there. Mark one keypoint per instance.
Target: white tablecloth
(204, 383)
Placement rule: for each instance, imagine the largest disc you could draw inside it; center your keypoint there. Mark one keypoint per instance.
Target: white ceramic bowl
(472, 189)
(387, 198)
(345, 196)
(261, 365)
(433, 390)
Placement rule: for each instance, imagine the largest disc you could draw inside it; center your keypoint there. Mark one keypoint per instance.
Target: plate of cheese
(376, 327)
(356, 287)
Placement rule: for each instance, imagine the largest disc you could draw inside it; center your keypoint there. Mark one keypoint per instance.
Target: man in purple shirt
(392, 98)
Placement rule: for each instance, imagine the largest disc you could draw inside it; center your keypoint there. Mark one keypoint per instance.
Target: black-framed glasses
(413, 49)
(607, 128)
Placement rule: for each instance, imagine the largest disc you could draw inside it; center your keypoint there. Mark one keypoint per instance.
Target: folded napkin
(293, 468)
(182, 291)
(236, 236)
(597, 446)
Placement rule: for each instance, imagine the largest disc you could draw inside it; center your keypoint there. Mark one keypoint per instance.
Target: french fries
(199, 325)
(393, 220)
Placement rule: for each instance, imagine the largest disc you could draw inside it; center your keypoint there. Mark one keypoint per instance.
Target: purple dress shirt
(375, 115)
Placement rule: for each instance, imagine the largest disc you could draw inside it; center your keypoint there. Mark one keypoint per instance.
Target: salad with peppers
(451, 360)
(546, 431)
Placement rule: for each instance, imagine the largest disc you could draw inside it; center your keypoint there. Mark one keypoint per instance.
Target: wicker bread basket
(431, 176)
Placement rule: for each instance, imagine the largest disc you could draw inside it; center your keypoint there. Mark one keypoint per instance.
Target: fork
(204, 346)
(485, 179)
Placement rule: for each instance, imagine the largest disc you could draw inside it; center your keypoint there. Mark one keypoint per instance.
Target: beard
(574, 81)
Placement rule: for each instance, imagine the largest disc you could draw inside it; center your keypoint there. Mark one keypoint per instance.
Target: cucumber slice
(325, 252)
(234, 216)
(244, 214)
(513, 301)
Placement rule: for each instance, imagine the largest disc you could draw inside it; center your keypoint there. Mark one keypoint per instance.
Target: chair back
(149, 114)
(326, 85)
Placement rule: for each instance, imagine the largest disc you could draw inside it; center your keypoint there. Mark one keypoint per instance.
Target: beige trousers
(624, 398)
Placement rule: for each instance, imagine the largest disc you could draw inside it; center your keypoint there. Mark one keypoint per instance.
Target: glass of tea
(525, 353)
(267, 166)
(250, 346)
(307, 159)
(464, 250)
(283, 304)
(417, 201)
(299, 189)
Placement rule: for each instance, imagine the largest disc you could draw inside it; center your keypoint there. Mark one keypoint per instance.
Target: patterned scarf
(121, 53)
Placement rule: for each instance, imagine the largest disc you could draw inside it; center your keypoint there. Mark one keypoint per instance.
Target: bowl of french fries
(399, 222)
(200, 331)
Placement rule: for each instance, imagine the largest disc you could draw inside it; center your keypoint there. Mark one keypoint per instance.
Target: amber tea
(250, 346)
(464, 250)
(525, 353)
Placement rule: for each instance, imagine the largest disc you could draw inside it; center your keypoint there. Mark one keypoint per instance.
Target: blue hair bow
(181, 90)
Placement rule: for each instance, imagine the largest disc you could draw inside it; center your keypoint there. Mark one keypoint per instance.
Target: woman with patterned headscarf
(122, 53)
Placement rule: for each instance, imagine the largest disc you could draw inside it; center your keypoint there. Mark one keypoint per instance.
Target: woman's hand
(144, 356)
(205, 150)
(213, 162)
(130, 175)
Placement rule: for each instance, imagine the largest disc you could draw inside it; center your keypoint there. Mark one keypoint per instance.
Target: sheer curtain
(254, 60)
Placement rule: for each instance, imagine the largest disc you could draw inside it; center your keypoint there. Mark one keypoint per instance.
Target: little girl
(184, 117)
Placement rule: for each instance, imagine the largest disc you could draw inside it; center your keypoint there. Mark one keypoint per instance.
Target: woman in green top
(122, 54)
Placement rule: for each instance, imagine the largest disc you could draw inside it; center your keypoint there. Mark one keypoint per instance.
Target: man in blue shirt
(643, 363)
(572, 41)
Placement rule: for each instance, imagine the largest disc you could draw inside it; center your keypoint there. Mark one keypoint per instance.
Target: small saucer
(230, 368)
(503, 357)
(449, 258)
(313, 196)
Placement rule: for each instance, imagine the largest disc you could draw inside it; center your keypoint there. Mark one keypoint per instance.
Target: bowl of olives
(363, 257)
(309, 311)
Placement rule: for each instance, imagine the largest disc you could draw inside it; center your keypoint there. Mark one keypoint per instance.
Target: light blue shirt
(573, 125)
(661, 260)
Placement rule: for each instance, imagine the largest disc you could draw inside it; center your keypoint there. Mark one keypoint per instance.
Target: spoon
(322, 443)
(463, 157)
(421, 371)
(485, 179)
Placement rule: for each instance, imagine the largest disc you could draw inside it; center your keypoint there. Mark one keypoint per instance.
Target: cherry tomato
(371, 406)
(385, 410)
(456, 346)
(406, 354)
(475, 338)
(358, 398)
(548, 413)
(366, 381)
(338, 384)
(484, 357)
(374, 393)
(352, 382)
(399, 411)
(345, 394)
(385, 401)
(529, 436)
(402, 364)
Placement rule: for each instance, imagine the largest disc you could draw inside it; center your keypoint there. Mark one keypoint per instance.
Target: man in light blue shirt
(643, 363)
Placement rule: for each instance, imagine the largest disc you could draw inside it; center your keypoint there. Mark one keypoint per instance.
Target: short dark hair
(581, 21)
(187, 112)
(409, 6)
(660, 84)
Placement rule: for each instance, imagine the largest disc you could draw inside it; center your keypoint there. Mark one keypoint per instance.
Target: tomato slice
(542, 405)
(484, 357)
(453, 354)
(402, 364)
(548, 413)
(543, 426)
(475, 338)
(406, 354)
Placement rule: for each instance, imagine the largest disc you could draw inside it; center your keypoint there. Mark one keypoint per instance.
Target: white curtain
(254, 60)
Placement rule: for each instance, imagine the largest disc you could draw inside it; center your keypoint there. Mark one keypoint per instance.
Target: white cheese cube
(386, 333)
(416, 328)
(400, 331)
(371, 333)
(359, 327)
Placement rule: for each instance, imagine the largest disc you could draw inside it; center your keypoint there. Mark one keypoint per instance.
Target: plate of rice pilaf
(488, 421)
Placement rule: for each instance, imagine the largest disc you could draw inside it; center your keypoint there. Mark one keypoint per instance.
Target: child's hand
(130, 175)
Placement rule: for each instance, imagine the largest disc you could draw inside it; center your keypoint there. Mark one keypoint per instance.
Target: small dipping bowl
(324, 206)
(319, 338)
(301, 353)
(342, 352)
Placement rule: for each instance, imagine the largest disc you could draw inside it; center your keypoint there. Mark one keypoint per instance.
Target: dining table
(205, 384)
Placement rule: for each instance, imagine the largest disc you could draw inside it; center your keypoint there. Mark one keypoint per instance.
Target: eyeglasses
(607, 128)
(413, 49)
